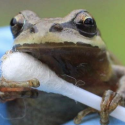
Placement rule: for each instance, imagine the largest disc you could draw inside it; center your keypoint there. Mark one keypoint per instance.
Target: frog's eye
(17, 24)
(85, 24)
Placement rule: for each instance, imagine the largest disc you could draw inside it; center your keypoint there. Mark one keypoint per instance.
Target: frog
(73, 48)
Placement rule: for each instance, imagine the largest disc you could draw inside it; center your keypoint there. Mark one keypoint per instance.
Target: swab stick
(22, 67)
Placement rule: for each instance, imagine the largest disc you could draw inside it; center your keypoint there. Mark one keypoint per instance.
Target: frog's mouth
(52, 47)
(64, 58)
(66, 49)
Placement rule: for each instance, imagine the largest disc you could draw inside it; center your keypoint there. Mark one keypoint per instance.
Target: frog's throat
(69, 58)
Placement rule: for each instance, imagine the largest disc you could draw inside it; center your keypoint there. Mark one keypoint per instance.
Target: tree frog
(72, 47)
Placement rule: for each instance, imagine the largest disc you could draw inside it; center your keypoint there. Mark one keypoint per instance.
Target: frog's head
(79, 27)
(63, 44)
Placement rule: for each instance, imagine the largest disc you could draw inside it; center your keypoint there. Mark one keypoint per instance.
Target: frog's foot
(10, 90)
(11, 84)
(109, 102)
(82, 114)
(11, 95)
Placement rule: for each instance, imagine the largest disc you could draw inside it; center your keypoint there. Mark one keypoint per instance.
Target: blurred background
(109, 15)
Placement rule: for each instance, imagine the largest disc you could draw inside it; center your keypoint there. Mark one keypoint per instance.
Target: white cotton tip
(22, 67)
(13, 67)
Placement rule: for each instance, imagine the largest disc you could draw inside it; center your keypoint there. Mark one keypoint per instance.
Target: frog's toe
(6, 55)
(34, 83)
(82, 114)
(109, 102)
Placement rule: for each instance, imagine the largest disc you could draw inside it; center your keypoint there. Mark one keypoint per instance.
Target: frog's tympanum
(73, 48)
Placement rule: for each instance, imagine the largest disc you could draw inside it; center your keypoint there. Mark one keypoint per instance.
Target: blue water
(6, 42)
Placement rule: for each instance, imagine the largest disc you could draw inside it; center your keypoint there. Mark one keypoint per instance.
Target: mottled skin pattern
(72, 47)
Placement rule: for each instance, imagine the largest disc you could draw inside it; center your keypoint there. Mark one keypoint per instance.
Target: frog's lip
(43, 51)
(52, 49)
(48, 45)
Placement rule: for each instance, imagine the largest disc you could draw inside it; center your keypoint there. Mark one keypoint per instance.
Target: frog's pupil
(13, 22)
(89, 21)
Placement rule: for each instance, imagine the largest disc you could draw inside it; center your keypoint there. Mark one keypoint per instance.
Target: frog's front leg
(109, 102)
(120, 71)
(11, 95)
(112, 99)
(10, 90)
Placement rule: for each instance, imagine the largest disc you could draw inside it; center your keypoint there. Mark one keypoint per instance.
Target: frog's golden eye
(85, 24)
(17, 24)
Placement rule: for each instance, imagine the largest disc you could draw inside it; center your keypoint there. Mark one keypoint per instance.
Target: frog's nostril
(33, 29)
(56, 28)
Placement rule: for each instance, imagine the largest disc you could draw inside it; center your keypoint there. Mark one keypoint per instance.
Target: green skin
(73, 51)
